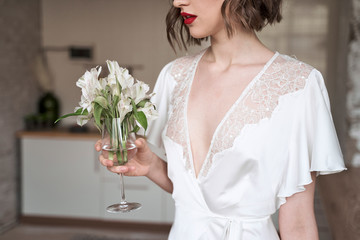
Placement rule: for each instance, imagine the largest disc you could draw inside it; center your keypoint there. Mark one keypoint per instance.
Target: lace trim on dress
(182, 71)
(283, 76)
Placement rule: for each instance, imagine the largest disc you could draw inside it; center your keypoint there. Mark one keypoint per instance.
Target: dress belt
(234, 226)
(233, 229)
(231, 232)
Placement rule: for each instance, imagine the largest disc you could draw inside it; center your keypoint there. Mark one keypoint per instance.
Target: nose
(180, 3)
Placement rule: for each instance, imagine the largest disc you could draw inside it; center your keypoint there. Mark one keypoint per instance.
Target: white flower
(114, 96)
(149, 111)
(103, 82)
(124, 107)
(114, 71)
(90, 87)
(125, 79)
(82, 119)
(120, 74)
(86, 103)
(138, 91)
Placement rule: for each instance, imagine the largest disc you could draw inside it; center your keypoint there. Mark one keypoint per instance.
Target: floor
(27, 231)
(39, 232)
(44, 231)
(338, 197)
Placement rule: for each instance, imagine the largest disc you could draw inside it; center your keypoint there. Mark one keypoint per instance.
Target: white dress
(278, 131)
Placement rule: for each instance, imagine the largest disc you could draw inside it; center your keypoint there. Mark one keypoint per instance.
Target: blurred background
(50, 180)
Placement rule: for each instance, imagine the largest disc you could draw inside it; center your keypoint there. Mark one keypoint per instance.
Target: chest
(209, 111)
(211, 96)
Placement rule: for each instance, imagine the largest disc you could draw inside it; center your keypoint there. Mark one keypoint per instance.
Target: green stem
(118, 139)
(118, 156)
(124, 139)
(111, 155)
(111, 135)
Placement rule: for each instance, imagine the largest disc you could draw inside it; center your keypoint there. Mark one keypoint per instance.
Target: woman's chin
(198, 35)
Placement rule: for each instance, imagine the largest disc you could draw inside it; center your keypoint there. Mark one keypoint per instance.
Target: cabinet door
(60, 177)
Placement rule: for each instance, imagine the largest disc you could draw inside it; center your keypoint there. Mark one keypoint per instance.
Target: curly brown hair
(252, 15)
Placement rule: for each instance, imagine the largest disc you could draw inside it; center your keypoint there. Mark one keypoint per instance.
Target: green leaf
(134, 106)
(107, 89)
(97, 113)
(101, 101)
(141, 118)
(116, 101)
(78, 112)
(98, 127)
(142, 103)
(108, 124)
(136, 129)
(132, 120)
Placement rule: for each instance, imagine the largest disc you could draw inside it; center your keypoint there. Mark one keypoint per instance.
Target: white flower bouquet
(119, 105)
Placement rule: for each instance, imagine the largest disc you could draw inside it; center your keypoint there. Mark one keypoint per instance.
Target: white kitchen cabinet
(61, 177)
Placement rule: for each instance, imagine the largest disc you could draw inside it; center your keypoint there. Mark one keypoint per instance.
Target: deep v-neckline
(223, 119)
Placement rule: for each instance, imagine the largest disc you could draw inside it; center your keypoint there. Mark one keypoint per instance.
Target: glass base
(123, 207)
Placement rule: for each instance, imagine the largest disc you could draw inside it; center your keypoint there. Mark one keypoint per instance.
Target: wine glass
(118, 145)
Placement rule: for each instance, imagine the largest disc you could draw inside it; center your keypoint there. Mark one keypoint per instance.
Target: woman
(245, 130)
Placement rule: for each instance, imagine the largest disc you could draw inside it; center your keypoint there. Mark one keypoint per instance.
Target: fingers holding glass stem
(115, 159)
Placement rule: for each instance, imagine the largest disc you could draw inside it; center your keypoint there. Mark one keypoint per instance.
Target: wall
(337, 48)
(131, 32)
(302, 33)
(353, 84)
(19, 44)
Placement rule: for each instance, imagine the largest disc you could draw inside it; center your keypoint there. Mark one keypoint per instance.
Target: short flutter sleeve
(163, 90)
(313, 145)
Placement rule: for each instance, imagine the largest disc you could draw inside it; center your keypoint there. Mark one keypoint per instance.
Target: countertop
(58, 133)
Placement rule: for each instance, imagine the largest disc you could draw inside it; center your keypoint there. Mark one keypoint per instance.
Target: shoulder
(176, 71)
(181, 66)
(293, 72)
(295, 75)
(293, 67)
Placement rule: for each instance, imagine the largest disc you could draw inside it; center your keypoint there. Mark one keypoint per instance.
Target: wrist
(154, 166)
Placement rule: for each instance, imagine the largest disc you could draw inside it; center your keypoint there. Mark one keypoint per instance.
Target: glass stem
(122, 188)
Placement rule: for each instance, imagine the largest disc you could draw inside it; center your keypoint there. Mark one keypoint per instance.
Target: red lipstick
(188, 18)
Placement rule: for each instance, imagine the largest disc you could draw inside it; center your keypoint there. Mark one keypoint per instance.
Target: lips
(188, 18)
